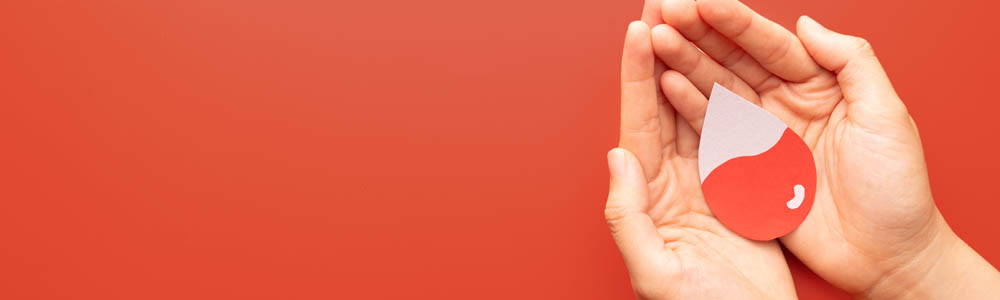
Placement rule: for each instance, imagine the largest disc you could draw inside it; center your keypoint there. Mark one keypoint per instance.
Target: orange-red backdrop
(382, 149)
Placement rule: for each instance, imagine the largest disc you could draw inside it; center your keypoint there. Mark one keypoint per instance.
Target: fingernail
(616, 162)
(812, 22)
(632, 24)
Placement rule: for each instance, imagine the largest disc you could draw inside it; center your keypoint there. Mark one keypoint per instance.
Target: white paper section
(734, 127)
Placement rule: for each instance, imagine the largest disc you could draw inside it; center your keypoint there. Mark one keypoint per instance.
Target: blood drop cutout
(758, 176)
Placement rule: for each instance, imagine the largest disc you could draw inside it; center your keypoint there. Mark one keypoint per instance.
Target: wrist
(947, 268)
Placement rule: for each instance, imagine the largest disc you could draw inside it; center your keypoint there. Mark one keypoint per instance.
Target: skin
(873, 231)
(672, 245)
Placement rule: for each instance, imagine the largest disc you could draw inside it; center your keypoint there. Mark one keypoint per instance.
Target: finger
(680, 55)
(683, 16)
(651, 12)
(687, 139)
(774, 47)
(668, 131)
(640, 120)
(628, 199)
(651, 16)
(859, 72)
(685, 98)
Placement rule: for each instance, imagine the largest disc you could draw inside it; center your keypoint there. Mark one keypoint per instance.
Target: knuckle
(745, 24)
(734, 56)
(616, 216)
(864, 46)
(614, 213)
(645, 125)
(689, 63)
(778, 53)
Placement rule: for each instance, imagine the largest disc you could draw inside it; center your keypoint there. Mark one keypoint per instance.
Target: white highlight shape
(800, 194)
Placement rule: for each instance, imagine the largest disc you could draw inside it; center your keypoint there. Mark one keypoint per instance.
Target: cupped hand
(672, 245)
(874, 229)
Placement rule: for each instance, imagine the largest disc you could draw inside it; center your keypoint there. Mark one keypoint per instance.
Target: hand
(873, 230)
(672, 245)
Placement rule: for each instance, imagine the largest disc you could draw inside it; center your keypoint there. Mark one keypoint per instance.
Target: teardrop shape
(758, 176)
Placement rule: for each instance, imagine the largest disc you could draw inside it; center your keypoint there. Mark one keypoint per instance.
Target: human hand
(874, 230)
(672, 245)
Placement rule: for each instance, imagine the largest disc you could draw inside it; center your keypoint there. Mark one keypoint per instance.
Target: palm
(702, 255)
(851, 145)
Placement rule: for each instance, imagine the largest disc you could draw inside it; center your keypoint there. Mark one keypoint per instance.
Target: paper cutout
(758, 176)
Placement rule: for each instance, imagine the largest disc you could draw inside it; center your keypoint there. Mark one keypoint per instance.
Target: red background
(382, 149)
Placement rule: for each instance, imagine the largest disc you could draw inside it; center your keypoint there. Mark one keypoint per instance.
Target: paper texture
(758, 176)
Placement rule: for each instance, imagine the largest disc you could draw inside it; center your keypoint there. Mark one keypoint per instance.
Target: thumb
(628, 198)
(863, 81)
